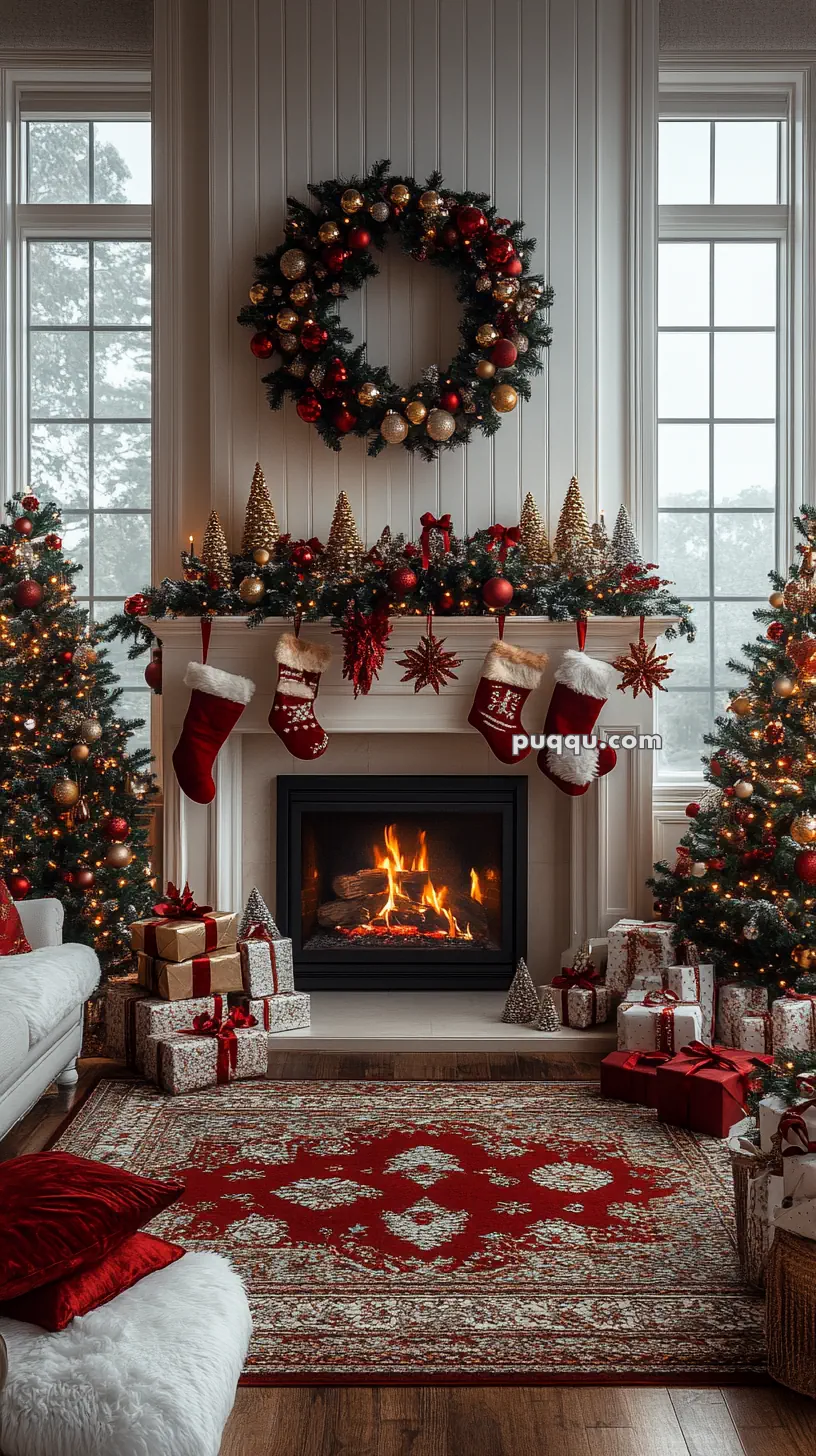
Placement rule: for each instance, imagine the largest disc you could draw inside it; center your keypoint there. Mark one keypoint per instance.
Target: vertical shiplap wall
(525, 99)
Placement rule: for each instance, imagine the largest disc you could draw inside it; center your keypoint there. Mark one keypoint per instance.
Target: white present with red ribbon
(267, 968)
(778, 1118)
(210, 1053)
(288, 1011)
(578, 979)
(661, 1023)
(635, 947)
(156, 1017)
(794, 1022)
(799, 1219)
(588, 1006)
(694, 983)
(733, 1001)
(799, 1144)
(756, 1033)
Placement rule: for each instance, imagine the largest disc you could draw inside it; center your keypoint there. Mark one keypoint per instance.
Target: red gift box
(632, 1076)
(705, 1088)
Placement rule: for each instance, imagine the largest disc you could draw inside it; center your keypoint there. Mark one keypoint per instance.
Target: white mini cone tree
(521, 1005)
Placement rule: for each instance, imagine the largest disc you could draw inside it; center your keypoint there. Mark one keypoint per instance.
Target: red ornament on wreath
(805, 866)
(450, 236)
(451, 401)
(514, 268)
(359, 238)
(334, 257)
(402, 581)
(314, 337)
(309, 407)
(53, 542)
(498, 250)
(503, 354)
(471, 222)
(497, 592)
(23, 526)
(30, 503)
(343, 419)
(334, 377)
(137, 605)
(28, 594)
(19, 886)
(6, 555)
(261, 345)
(115, 828)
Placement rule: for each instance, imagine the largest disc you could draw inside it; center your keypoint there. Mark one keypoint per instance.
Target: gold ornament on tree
(65, 793)
(251, 589)
(573, 538)
(261, 529)
(80, 753)
(799, 595)
(118, 856)
(741, 705)
(803, 828)
(533, 532)
(214, 552)
(89, 730)
(344, 549)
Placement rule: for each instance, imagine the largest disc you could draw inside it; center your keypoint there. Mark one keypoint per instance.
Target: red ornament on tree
(503, 354)
(67, 877)
(775, 632)
(498, 250)
(359, 238)
(716, 767)
(23, 526)
(805, 866)
(774, 732)
(497, 592)
(449, 400)
(402, 581)
(261, 345)
(20, 885)
(309, 407)
(692, 810)
(28, 594)
(53, 542)
(137, 605)
(30, 503)
(447, 600)
(84, 879)
(66, 656)
(115, 828)
(153, 674)
(6, 555)
(313, 337)
(471, 222)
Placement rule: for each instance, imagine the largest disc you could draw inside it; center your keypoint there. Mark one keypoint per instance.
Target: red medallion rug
(443, 1232)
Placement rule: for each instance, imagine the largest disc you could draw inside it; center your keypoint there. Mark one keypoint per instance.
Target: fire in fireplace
(403, 882)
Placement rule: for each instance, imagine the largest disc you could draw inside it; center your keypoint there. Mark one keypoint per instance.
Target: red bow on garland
(429, 523)
(180, 905)
(224, 1034)
(503, 537)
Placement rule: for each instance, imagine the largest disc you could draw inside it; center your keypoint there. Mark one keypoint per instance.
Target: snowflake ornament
(643, 668)
(428, 665)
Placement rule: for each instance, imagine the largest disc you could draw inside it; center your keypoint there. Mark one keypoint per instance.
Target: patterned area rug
(419, 1232)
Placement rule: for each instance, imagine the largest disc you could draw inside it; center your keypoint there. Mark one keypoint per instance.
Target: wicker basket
(790, 1312)
(753, 1231)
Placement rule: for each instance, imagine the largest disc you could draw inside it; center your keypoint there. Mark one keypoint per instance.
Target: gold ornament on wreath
(335, 388)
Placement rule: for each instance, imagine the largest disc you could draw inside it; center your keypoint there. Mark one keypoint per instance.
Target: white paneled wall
(528, 100)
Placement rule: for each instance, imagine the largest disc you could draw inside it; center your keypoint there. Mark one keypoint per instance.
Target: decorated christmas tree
(73, 814)
(742, 885)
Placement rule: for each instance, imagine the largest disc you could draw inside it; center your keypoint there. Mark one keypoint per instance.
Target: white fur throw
(47, 984)
(152, 1373)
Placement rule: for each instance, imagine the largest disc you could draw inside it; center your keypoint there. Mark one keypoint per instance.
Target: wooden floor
(764, 1420)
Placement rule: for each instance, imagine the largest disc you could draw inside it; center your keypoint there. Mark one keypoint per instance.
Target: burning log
(467, 912)
(364, 882)
(349, 912)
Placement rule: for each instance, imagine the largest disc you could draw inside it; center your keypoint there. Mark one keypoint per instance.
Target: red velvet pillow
(53, 1306)
(12, 936)
(59, 1213)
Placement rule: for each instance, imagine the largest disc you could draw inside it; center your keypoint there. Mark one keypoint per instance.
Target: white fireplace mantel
(609, 846)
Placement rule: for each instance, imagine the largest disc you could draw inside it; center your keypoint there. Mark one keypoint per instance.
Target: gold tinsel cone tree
(344, 548)
(534, 538)
(214, 551)
(573, 546)
(261, 529)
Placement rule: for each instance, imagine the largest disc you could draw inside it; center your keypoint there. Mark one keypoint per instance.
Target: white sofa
(42, 996)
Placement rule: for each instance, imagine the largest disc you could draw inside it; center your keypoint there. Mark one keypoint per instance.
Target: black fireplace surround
(403, 883)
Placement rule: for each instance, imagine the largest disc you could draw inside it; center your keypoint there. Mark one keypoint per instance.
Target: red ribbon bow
(503, 537)
(585, 979)
(793, 995)
(180, 905)
(258, 932)
(650, 1058)
(706, 1057)
(661, 998)
(224, 1034)
(429, 523)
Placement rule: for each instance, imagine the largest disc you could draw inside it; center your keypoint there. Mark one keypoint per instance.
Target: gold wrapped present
(203, 975)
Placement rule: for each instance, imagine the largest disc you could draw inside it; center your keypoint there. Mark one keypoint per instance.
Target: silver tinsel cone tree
(521, 1005)
(547, 1018)
(257, 912)
(625, 548)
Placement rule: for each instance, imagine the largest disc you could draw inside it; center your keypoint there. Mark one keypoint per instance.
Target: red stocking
(509, 675)
(216, 703)
(581, 687)
(300, 665)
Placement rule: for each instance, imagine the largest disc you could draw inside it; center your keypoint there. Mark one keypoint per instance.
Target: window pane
(122, 161)
(130, 674)
(745, 376)
(743, 553)
(121, 283)
(746, 165)
(58, 161)
(76, 545)
(683, 551)
(122, 465)
(685, 162)
(122, 374)
(58, 283)
(745, 284)
(58, 364)
(683, 284)
(58, 467)
(691, 660)
(682, 376)
(121, 553)
(682, 719)
(682, 465)
(744, 465)
(734, 625)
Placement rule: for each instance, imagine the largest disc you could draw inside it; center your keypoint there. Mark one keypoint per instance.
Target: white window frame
(752, 88)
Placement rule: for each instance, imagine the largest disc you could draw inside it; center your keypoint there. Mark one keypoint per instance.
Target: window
(721, 392)
(84, 259)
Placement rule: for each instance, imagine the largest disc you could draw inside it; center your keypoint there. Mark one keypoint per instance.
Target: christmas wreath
(326, 255)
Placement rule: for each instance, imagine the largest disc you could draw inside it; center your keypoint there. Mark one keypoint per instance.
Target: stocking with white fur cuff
(216, 703)
(582, 685)
(292, 716)
(509, 674)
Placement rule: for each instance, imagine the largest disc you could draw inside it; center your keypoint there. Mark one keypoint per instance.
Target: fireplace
(403, 883)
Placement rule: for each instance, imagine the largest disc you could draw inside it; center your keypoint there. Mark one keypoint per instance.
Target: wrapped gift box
(598, 949)
(289, 1011)
(763, 1198)
(732, 1004)
(637, 946)
(749, 1163)
(799, 1219)
(204, 975)
(771, 1112)
(121, 1002)
(799, 1173)
(756, 1033)
(706, 1093)
(181, 940)
(662, 1028)
(156, 1017)
(695, 983)
(267, 967)
(190, 1063)
(588, 1007)
(631, 1076)
(794, 1022)
(646, 981)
